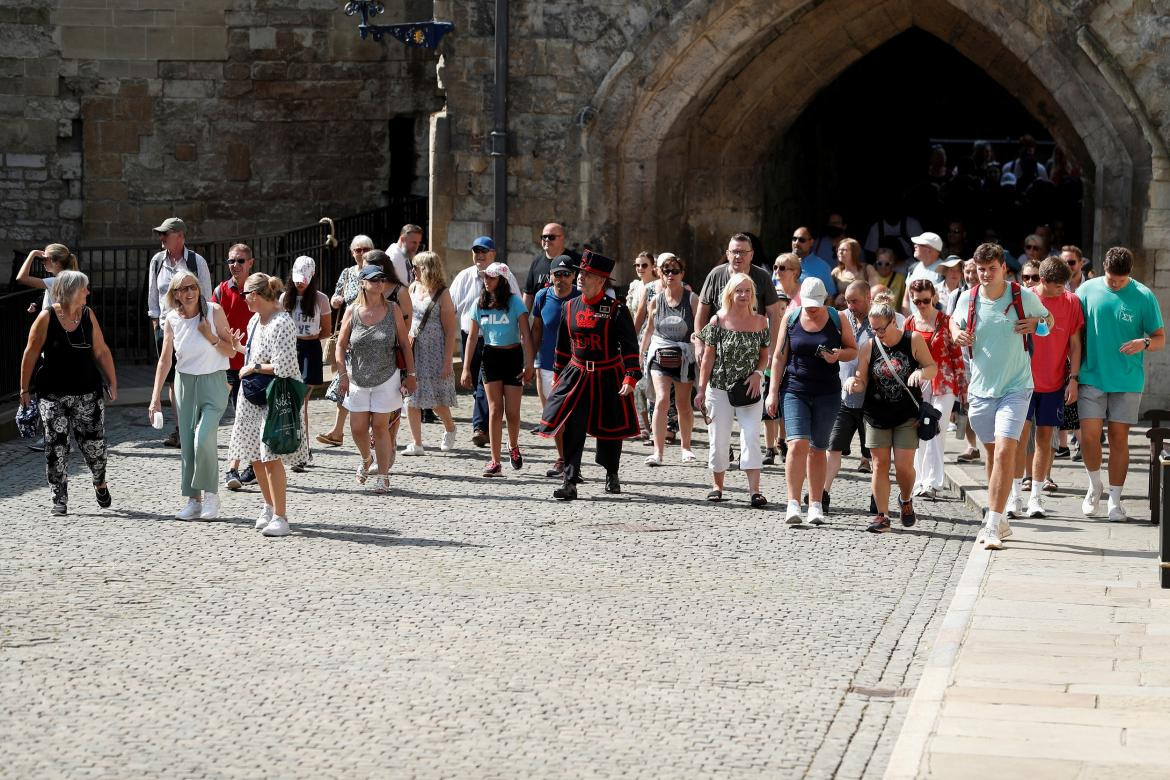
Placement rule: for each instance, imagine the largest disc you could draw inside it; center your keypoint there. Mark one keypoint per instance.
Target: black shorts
(503, 364)
(849, 422)
(309, 359)
(158, 342)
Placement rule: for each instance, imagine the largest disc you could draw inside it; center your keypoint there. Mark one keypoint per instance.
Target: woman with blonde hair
(731, 382)
(271, 352)
(55, 259)
(197, 331)
(851, 267)
(434, 334)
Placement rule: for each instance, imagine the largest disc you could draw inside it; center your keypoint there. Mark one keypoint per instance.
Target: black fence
(117, 277)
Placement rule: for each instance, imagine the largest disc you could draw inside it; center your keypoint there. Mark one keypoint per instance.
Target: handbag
(928, 416)
(669, 358)
(282, 423)
(28, 420)
(329, 350)
(255, 386)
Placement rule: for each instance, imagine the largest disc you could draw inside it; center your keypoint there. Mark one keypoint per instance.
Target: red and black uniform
(597, 351)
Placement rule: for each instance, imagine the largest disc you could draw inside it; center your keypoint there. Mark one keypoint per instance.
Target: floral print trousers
(84, 416)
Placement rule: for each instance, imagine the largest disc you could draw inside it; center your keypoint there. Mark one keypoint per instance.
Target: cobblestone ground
(460, 627)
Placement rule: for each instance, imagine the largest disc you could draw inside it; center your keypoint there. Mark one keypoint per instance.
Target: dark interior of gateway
(864, 148)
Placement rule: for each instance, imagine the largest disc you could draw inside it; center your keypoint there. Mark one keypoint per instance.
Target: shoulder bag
(255, 386)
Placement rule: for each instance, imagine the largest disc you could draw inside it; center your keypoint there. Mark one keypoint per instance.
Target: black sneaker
(173, 439)
(232, 480)
(104, 498)
(612, 485)
(38, 445)
(515, 459)
(557, 470)
(879, 525)
(248, 477)
(299, 468)
(59, 509)
(907, 511)
(1061, 452)
(769, 456)
(429, 416)
(825, 500)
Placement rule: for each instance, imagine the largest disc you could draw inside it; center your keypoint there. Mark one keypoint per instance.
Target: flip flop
(715, 495)
(329, 441)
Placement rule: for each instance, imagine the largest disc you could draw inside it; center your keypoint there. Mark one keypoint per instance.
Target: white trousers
(928, 458)
(723, 416)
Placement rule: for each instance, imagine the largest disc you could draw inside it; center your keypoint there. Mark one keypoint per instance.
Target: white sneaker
(1014, 508)
(210, 509)
(278, 526)
(816, 515)
(792, 517)
(448, 441)
(413, 449)
(1092, 502)
(687, 456)
(1117, 514)
(191, 511)
(991, 541)
(653, 460)
(1035, 508)
(264, 518)
(1005, 530)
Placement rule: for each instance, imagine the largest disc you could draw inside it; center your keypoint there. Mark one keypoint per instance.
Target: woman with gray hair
(197, 331)
(892, 367)
(69, 383)
(345, 292)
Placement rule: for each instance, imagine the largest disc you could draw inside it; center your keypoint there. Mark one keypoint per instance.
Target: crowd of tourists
(803, 355)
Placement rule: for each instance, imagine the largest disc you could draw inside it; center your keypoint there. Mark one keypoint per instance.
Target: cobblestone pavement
(460, 627)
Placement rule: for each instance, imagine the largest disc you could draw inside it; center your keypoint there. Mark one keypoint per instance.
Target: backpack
(1017, 303)
(156, 261)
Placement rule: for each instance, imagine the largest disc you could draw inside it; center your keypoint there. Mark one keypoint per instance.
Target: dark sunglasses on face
(1072, 263)
(799, 240)
(671, 271)
(1030, 247)
(549, 237)
(922, 301)
(562, 274)
(1030, 277)
(641, 265)
(238, 261)
(188, 288)
(883, 264)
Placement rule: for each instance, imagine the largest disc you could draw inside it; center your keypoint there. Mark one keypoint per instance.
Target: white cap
(303, 269)
(496, 269)
(929, 239)
(812, 293)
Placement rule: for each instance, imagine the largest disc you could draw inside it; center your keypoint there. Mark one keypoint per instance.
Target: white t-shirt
(194, 354)
(309, 326)
(48, 299)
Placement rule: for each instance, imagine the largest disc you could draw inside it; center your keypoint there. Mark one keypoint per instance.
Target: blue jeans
(479, 409)
(810, 416)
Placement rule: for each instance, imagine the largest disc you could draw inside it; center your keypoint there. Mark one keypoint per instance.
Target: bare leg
(261, 472)
(880, 478)
(381, 425)
(512, 397)
(832, 467)
(1003, 452)
(337, 432)
(816, 474)
(661, 407)
(359, 426)
(414, 419)
(1022, 452)
(796, 467)
(495, 400)
(445, 417)
(753, 479)
(686, 414)
(717, 479)
(1042, 459)
(277, 486)
(904, 472)
(1118, 452)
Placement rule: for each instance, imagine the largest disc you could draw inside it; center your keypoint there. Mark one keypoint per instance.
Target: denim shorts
(999, 417)
(809, 416)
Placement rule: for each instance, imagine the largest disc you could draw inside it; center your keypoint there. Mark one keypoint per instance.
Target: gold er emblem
(418, 36)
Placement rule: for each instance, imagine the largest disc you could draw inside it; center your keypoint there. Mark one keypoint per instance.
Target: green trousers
(201, 400)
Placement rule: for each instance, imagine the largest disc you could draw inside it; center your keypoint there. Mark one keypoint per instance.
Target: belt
(591, 365)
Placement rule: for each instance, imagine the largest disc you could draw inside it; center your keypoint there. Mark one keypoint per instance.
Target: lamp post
(499, 135)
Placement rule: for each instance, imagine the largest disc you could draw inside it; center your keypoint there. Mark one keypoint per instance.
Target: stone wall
(238, 115)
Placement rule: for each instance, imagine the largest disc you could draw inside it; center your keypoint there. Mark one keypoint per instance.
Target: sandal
(1050, 486)
(381, 483)
(328, 440)
(363, 471)
(715, 495)
(758, 500)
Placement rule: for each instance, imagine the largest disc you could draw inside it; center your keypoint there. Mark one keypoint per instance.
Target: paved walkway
(1054, 659)
(460, 627)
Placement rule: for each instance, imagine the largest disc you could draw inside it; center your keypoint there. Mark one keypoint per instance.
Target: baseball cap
(172, 225)
(812, 293)
(303, 269)
(483, 242)
(561, 263)
(372, 273)
(929, 239)
(496, 269)
(951, 261)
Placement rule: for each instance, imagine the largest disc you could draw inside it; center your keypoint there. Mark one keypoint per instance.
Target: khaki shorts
(904, 437)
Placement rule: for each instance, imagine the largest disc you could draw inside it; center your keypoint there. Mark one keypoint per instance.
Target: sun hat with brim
(812, 293)
(951, 261)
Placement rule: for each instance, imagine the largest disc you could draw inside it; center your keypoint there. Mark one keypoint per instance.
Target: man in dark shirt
(552, 245)
(739, 260)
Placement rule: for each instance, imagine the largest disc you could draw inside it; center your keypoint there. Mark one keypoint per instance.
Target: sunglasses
(1030, 277)
(562, 274)
(549, 237)
(1030, 247)
(799, 240)
(1072, 263)
(922, 301)
(883, 264)
(671, 271)
(781, 269)
(189, 288)
(641, 265)
(739, 252)
(238, 261)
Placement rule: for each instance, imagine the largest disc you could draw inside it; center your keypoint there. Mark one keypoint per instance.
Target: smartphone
(823, 350)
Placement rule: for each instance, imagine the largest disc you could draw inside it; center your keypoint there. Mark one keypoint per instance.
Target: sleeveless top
(886, 402)
(806, 371)
(68, 367)
(194, 355)
(371, 348)
(674, 323)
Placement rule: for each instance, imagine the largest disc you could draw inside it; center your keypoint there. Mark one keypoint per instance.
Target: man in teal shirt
(1000, 387)
(1122, 322)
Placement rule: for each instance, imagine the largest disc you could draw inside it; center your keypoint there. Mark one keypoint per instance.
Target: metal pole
(1164, 533)
(499, 134)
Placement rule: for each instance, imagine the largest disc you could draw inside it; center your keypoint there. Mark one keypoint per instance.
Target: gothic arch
(683, 122)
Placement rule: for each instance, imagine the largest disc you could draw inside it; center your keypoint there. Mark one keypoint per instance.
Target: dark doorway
(403, 157)
(863, 145)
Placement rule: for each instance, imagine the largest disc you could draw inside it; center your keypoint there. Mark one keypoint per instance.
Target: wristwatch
(1076, 378)
(1147, 340)
(256, 366)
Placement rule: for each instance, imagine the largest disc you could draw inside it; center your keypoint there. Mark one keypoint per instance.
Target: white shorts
(381, 399)
(546, 380)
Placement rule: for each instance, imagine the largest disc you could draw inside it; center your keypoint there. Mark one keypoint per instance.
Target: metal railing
(117, 276)
(1160, 487)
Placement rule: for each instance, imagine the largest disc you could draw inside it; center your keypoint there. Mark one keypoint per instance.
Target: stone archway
(683, 124)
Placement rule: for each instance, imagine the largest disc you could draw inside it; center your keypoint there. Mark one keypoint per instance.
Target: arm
(857, 382)
(775, 313)
(706, 365)
(406, 306)
(1074, 359)
(848, 349)
(24, 276)
(927, 368)
(526, 344)
(450, 332)
(409, 381)
(152, 307)
(702, 316)
(959, 334)
(648, 316)
(337, 301)
(627, 342)
(342, 348)
(469, 349)
(1157, 342)
(641, 312)
(204, 275)
(36, 342)
(103, 356)
(162, 368)
(215, 329)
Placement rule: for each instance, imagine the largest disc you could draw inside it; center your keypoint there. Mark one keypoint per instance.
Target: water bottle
(157, 422)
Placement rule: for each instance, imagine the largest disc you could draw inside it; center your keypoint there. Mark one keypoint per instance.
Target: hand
(755, 385)
(465, 380)
(700, 397)
(343, 384)
(245, 370)
(1026, 325)
(965, 339)
(829, 355)
(24, 398)
(238, 341)
(1133, 347)
(113, 391)
(773, 404)
(336, 301)
(410, 385)
(32, 307)
(38, 254)
(852, 385)
(915, 379)
(625, 389)
(526, 377)
(1071, 392)
(155, 406)
(447, 371)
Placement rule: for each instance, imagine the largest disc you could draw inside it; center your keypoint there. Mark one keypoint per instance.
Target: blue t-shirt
(500, 327)
(999, 364)
(815, 266)
(1111, 319)
(549, 308)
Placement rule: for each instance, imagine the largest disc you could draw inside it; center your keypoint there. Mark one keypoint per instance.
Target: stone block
(87, 42)
(208, 43)
(26, 160)
(70, 209)
(188, 89)
(262, 38)
(239, 162)
(118, 136)
(186, 152)
(168, 43)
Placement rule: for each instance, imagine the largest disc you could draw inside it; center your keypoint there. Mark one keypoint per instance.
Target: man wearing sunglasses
(229, 294)
(552, 246)
(810, 264)
(1078, 266)
(174, 257)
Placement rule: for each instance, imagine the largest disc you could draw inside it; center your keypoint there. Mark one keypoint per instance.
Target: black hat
(562, 263)
(595, 263)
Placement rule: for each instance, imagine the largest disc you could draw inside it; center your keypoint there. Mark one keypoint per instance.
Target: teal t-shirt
(999, 363)
(1111, 319)
(500, 327)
